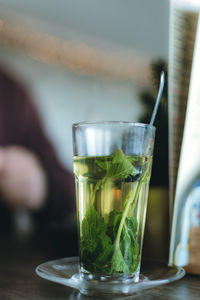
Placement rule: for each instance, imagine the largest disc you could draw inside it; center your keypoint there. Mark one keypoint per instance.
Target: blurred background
(91, 60)
(83, 60)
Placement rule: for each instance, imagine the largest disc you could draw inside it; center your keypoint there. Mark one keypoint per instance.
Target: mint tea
(111, 194)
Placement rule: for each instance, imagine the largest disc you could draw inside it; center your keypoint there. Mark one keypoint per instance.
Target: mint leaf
(117, 262)
(96, 248)
(119, 167)
(125, 257)
(113, 224)
(92, 226)
(103, 164)
(131, 225)
(129, 245)
(104, 254)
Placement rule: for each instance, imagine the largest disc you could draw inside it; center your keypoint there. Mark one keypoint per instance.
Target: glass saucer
(65, 271)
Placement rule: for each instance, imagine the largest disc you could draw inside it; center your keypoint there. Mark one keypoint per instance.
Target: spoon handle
(162, 82)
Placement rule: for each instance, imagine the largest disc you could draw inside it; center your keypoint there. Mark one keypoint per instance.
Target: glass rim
(120, 123)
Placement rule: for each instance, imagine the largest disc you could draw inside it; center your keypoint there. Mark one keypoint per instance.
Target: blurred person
(31, 177)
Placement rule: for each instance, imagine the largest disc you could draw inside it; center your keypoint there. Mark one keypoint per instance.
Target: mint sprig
(112, 248)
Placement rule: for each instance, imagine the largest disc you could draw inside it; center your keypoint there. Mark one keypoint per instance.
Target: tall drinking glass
(112, 168)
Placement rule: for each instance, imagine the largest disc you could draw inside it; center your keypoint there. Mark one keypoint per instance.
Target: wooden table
(18, 280)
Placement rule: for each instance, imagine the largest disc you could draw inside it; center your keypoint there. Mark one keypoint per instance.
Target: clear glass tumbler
(112, 168)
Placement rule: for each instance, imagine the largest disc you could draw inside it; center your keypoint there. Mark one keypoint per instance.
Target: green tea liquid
(111, 196)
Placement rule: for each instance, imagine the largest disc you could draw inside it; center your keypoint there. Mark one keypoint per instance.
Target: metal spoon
(161, 86)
